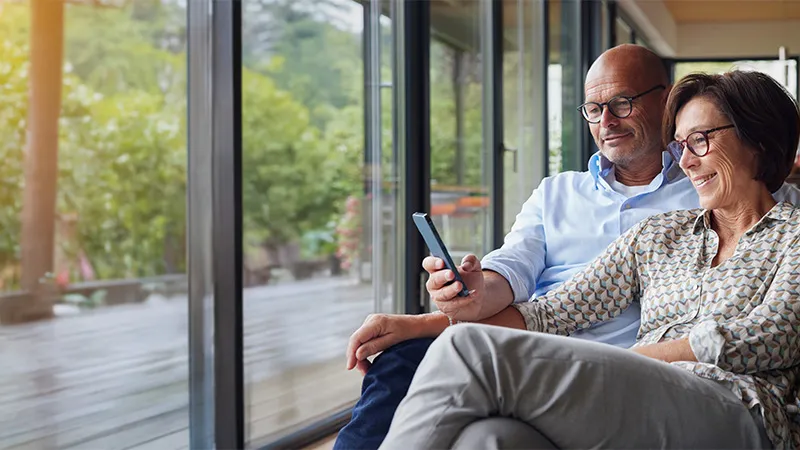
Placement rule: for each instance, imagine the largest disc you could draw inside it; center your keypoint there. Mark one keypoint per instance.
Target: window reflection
(459, 167)
(785, 72)
(563, 95)
(523, 113)
(313, 211)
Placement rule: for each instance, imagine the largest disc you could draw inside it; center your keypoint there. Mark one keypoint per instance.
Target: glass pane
(623, 32)
(563, 94)
(313, 218)
(785, 72)
(523, 112)
(93, 308)
(459, 170)
(604, 21)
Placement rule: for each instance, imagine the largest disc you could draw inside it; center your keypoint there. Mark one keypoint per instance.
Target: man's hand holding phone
(461, 296)
(446, 296)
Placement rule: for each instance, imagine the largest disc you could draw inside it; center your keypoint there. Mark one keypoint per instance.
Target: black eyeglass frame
(630, 99)
(675, 147)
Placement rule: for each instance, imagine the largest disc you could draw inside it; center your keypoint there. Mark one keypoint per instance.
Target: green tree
(320, 61)
(117, 50)
(122, 134)
(13, 112)
(122, 149)
(293, 181)
(123, 173)
(444, 114)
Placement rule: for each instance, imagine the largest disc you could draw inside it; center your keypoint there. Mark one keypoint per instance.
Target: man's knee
(409, 353)
(392, 370)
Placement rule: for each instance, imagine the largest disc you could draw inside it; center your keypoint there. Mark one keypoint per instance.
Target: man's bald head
(628, 62)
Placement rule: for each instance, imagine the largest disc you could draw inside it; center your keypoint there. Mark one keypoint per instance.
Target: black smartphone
(437, 248)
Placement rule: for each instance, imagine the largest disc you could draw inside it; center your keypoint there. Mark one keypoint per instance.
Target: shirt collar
(781, 212)
(600, 166)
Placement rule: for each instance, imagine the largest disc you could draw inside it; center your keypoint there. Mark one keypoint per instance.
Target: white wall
(739, 39)
(709, 40)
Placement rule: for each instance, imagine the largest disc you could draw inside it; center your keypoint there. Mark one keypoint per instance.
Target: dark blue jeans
(384, 386)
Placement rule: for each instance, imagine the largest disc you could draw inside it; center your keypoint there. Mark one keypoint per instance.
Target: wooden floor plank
(117, 377)
(176, 440)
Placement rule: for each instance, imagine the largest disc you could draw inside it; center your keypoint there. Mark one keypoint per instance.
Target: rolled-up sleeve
(768, 338)
(521, 259)
(601, 291)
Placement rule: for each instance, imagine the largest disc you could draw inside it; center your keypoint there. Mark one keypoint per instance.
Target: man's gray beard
(622, 160)
(630, 158)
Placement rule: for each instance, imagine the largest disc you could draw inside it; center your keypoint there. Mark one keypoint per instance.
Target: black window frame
(217, 385)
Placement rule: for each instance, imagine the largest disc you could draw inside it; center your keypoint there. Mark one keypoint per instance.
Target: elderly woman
(716, 359)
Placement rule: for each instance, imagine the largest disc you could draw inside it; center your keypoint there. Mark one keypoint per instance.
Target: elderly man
(568, 220)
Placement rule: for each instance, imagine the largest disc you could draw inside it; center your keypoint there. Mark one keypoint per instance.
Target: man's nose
(608, 120)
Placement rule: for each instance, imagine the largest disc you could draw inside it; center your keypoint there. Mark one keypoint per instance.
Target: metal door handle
(512, 150)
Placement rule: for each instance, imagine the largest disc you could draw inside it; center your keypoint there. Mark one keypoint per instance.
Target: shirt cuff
(517, 285)
(706, 342)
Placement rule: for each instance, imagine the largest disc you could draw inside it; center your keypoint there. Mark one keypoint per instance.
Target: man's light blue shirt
(572, 217)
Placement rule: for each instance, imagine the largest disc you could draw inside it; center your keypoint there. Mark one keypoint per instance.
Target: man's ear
(665, 94)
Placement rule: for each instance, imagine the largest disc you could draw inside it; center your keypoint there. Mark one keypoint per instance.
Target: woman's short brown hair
(765, 115)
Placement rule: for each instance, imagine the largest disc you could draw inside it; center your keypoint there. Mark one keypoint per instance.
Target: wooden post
(41, 152)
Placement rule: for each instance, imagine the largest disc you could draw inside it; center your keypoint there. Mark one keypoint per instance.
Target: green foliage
(294, 176)
(444, 145)
(125, 177)
(119, 50)
(277, 146)
(303, 122)
(302, 47)
(13, 109)
(122, 142)
(122, 145)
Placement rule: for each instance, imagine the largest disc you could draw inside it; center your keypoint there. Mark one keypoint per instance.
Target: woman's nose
(688, 159)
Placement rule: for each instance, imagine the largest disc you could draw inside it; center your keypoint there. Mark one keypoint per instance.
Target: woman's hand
(381, 331)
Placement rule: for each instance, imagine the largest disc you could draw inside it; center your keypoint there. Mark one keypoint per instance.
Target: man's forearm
(430, 325)
(498, 294)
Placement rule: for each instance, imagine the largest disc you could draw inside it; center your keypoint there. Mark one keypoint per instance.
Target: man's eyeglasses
(620, 106)
(696, 142)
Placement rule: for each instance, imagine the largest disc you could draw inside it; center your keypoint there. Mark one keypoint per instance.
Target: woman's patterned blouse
(742, 317)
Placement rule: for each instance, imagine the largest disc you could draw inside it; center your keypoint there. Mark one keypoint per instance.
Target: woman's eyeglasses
(696, 142)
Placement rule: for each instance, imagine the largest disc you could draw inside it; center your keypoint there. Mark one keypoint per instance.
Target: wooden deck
(117, 377)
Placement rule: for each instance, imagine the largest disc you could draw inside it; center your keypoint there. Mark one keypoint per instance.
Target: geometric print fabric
(742, 317)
